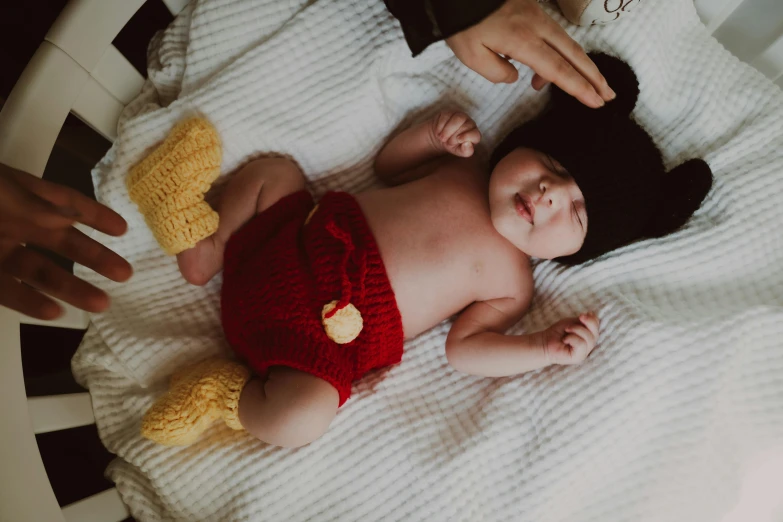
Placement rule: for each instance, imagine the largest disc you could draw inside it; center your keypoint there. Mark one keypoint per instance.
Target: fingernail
(597, 100)
(612, 94)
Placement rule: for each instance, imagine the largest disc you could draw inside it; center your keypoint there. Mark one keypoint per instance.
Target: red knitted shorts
(279, 273)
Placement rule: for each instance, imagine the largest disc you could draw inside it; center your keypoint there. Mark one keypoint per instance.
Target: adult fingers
(538, 82)
(78, 247)
(37, 271)
(560, 41)
(79, 206)
(20, 297)
(486, 62)
(20, 206)
(553, 67)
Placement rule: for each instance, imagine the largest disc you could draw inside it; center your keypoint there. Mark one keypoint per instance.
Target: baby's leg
(258, 186)
(290, 409)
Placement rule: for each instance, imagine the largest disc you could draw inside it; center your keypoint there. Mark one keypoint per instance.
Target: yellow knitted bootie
(199, 395)
(169, 185)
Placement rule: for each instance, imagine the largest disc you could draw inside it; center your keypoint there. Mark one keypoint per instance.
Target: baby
(316, 296)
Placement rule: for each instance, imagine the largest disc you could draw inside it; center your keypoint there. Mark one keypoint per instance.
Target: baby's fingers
(452, 125)
(579, 347)
(465, 150)
(591, 322)
(440, 122)
(582, 332)
(574, 341)
(470, 134)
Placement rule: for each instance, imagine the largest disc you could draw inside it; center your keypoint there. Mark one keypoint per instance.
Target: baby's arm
(477, 344)
(408, 156)
(258, 186)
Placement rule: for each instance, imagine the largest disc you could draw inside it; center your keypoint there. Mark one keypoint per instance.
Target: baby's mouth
(524, 207)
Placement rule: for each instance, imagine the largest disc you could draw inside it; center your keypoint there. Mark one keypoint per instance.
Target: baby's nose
(551, 196)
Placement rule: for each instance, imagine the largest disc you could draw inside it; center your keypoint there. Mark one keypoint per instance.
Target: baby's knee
(288, 412)
(278, 165)
(296, 427)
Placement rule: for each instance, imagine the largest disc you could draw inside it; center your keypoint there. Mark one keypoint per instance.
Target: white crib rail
(751, 29)
(76, 69)
(60, 412)
(105, 506)
(714, 12)
(25, 493)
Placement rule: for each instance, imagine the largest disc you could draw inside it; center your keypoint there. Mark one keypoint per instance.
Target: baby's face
(537, 205)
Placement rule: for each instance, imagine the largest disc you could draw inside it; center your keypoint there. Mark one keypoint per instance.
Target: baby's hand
(570, 341)
(456, 133)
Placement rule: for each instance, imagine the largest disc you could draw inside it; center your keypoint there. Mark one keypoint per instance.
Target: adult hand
(521, 30)
(37, 212)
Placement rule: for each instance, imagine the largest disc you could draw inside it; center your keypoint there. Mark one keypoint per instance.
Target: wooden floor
(75, 460)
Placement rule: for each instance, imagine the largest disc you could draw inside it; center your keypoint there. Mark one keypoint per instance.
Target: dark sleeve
(427, 21)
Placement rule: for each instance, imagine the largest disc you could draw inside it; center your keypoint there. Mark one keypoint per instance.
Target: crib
(77, 70)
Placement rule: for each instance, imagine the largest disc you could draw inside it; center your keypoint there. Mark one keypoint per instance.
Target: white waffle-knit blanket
(663, 423)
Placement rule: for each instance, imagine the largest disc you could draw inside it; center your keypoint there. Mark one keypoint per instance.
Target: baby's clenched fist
(571, 340)
(455, 133)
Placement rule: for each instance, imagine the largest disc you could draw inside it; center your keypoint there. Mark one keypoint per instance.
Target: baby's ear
(684, 188)
(621, 79)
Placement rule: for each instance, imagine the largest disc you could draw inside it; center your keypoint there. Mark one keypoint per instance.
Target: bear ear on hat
(683, 189)
(620, 78)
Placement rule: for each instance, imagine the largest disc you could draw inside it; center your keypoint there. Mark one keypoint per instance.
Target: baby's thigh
(291, 409)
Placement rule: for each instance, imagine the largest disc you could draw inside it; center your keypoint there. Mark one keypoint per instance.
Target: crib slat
(116, 74)
(36, 109)
(25, 493)
(72, 318)
(60, 412)
(96, 107)
(175, 6)
(85, 28)
(106, 506)
(714, 12)
(770, 62)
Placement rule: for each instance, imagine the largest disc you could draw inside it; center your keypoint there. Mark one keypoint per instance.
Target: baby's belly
(426, 298)
(432, 271)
